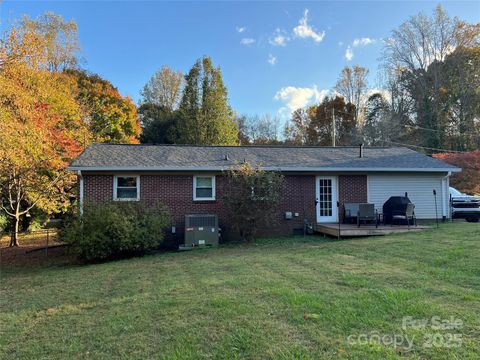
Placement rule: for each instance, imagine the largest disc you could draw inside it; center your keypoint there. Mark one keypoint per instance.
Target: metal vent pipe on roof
(361, 150)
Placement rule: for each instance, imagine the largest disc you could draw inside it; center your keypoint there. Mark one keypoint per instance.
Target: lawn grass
(276, 298)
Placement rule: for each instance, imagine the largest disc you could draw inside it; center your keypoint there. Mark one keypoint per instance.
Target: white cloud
(349, 54)
(304, 30)
(272, 60)
(279, 38)
(298, 97)
(241, 29)
(363, 41)
(247, 41)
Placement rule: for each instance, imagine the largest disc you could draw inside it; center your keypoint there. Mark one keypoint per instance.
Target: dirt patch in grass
(32, 252)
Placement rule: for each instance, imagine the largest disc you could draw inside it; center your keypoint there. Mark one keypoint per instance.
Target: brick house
(188, 179)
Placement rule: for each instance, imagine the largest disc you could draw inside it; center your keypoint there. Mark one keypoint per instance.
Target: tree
(48, 112)
(413, 56)
(252, 198)
(320, 129)
(29, 176)
(259, 130)
(460, 98)
(41, 123)
(468, 180)
(378, 128)
(40, 132)
(422, 40)
(158, 124)
(352, 85)
(243, 129)
(110, 117)
(164, 89)
(296, 131)
(205, 115)
(47, 42)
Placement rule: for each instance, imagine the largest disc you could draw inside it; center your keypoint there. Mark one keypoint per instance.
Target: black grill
(395, 203)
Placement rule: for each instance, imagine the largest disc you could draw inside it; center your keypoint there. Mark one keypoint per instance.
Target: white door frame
(334, 217)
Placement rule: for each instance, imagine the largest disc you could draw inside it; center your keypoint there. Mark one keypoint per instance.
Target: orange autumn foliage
(468, 181)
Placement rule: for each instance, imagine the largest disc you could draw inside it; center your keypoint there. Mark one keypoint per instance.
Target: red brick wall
(179, 199)
(176, 192)
(352, 188)
(298, 197)
(98, 187)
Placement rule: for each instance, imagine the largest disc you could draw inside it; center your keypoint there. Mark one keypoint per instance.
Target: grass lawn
(275, 298)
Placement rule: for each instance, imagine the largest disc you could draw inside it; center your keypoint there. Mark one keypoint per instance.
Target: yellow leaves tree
(48, 113)
(47, 42)
(41, 130)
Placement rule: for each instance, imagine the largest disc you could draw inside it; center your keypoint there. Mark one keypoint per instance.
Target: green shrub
(252, 197)
(3, 223)
(38, 221)
(115, 229)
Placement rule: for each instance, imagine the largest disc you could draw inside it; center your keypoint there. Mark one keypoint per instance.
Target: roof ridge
(255, 146)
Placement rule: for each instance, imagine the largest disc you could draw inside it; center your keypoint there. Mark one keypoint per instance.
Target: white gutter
(267, 168)
(81, 191)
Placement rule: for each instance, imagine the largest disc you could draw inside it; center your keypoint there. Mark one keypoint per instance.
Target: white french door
(326, 199)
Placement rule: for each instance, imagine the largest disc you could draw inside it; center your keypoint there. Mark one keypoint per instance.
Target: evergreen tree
(158, 124)
(205, 115)
(376, 128)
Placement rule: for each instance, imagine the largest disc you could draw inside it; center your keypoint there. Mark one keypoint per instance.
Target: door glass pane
(325, 201)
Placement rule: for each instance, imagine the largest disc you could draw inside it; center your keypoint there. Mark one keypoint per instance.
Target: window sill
(126, 199)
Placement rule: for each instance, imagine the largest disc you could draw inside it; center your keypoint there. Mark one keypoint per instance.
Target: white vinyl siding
(418, 186)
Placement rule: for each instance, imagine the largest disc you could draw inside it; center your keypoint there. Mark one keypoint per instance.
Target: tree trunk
(14, 238)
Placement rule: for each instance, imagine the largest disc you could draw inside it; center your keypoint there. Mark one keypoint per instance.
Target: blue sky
(274, 55)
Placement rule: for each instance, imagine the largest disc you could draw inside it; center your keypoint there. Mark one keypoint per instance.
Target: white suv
(464, 206)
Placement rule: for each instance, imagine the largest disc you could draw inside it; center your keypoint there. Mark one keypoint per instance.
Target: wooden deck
(351, 230)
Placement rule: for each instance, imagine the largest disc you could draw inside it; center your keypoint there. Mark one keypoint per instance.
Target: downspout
(446, 197)
(81, 191)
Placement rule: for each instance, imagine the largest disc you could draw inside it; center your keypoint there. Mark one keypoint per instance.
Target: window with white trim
(126, 188)
(204, 187)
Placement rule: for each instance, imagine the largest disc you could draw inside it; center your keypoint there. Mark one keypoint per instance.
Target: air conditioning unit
(201, 229)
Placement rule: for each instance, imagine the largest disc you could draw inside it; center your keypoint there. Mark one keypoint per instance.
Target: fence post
(46, 248)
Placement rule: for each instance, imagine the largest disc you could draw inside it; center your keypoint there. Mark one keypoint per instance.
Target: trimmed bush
(116, 229)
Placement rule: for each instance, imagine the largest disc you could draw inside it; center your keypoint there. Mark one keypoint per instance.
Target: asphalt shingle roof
(289, 158)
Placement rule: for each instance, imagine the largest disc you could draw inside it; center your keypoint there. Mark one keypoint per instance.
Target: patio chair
(350, 212)
(407, 215)
(367, 212)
